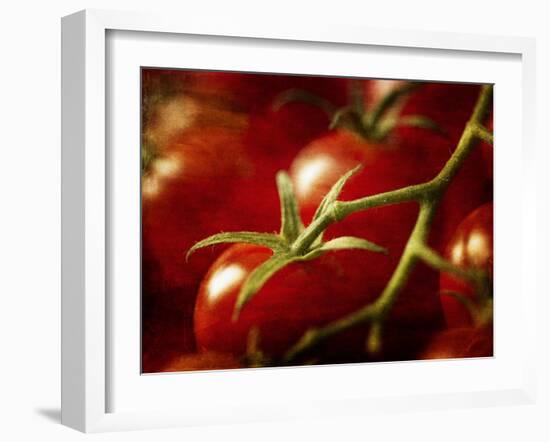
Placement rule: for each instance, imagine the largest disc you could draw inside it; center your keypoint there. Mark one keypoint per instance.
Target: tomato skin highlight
(471, 247)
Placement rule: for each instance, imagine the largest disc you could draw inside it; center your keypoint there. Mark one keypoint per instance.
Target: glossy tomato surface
(471, 247)
(297, 297)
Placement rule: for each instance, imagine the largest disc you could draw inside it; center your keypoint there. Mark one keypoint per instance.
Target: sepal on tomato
(269, 240)
(291, 224)
(334, 193)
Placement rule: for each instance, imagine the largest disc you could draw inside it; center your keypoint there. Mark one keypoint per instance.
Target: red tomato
(471, 247)
(297, 297)
(466, 342)
(386, 166)
(300, 296)
(184, 197)
(183, 202)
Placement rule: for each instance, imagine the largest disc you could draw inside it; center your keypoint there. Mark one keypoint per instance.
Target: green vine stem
(428, 196)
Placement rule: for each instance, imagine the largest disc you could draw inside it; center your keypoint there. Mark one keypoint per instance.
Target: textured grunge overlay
(291, 220)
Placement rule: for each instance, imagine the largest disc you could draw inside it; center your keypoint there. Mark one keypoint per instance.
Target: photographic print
(295, 220)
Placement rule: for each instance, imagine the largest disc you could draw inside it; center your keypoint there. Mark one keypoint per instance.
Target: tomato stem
(428, 196)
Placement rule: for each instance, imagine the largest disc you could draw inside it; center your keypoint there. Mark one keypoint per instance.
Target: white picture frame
(87, 355)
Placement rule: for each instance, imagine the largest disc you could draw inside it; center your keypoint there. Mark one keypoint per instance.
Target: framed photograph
(264, 223)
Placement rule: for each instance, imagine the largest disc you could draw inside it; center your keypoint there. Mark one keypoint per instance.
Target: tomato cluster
(212, 143)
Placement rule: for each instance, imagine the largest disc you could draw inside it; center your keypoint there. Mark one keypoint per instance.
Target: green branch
(296, 243)
(428, 196)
